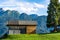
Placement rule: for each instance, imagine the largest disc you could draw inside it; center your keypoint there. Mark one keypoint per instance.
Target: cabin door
(23, 30)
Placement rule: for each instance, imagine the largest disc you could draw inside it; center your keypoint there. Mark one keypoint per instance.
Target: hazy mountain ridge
(14, 15)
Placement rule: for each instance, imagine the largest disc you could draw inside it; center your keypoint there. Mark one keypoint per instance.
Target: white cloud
(39, 5)
(59, 1)
(48, 1)
(7, 8)
(26, 7)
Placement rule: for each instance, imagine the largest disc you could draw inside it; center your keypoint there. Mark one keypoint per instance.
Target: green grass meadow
(54, 36)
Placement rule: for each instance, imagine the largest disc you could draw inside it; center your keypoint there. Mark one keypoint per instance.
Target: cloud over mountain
(24, 6)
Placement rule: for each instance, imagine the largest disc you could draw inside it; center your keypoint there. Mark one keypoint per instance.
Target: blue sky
(38, 7)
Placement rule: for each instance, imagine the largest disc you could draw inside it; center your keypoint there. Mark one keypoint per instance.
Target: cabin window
(14, 31)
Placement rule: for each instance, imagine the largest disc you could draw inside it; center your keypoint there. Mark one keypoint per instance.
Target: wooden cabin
(21, 27)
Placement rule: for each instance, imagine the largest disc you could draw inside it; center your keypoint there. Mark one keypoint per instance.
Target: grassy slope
(34, 37)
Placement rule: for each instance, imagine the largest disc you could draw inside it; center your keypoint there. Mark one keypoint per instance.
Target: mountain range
(15, 15)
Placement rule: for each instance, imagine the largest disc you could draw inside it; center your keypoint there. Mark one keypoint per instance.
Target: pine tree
(53, 17)
(51, 11)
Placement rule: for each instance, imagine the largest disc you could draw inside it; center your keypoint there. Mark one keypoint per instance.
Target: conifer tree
(53, 15)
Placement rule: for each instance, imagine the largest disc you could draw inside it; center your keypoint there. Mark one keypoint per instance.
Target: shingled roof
(21, 22)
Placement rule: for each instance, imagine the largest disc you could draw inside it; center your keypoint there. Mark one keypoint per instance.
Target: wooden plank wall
(31, 29)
